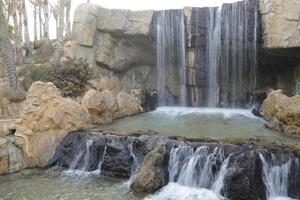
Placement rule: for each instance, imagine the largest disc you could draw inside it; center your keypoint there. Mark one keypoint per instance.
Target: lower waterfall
(276, 177)
(203, 174)
(195, 174)
(198, 169)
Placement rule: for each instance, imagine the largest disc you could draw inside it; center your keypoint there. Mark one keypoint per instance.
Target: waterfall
(232, 54)
(80, 164)
(200, 168)
(214, 42)
(171, 57)
(136, 163)
(276, 177)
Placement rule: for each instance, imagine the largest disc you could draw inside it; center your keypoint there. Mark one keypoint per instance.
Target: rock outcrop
(101, 105)
(152, 173)
(115, 156)
(11, 156)
(115, 42)
(108, 102)
(47, 118)
(282, 112)
(281, 19)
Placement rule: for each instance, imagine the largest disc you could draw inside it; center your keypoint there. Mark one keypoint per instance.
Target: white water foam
(82, 173)
(174, 191)
(224, 112)
(276, 179)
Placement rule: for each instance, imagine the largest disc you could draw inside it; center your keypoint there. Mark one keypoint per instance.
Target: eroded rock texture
(46, 119)
(282, 111)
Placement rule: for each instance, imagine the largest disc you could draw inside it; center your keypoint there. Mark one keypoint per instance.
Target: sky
(128, 4)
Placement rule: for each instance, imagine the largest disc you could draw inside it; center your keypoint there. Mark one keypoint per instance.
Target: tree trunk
(20, 25)
(7, 51)
(46, 18)
(26, 32)
(60, 37)
(16, 26)
(68, 28)
(40, 22)
(35, 23)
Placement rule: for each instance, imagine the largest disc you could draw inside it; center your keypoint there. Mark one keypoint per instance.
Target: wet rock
(115, 156)
(46, 119)
(243, 177)
(153, 172)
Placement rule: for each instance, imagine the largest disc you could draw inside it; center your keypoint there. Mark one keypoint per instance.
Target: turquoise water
(34, 184)
(219, 124)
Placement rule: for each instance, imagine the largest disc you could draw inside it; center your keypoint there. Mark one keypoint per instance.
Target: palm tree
(26, 32)
(60, 37)
(46, 18)
(7, 49)
(68, 23)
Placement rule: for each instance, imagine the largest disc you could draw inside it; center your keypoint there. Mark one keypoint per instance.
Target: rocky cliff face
(281, 20)
(125, 43)
(115, 42)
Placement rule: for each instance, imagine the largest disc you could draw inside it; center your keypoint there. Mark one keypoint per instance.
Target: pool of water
(34, 184)
(218, 124)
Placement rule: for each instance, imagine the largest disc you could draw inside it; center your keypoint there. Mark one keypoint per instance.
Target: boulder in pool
(153, 172)
(282, 112)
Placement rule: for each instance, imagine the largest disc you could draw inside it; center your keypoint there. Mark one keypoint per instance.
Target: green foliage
(13, 95)
(35, 72)
(71, 76)
(10, 28)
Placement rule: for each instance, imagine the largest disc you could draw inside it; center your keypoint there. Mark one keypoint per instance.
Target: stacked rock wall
(121, 43)
(115, 42)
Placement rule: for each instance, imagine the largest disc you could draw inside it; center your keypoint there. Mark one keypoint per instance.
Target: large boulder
(127, 105)
(153, 172)
(100, 105)
(106, 100)
(47, 118)
(282, 111)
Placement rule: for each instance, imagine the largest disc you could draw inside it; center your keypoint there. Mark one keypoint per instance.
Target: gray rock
(153, 172)
(124, 21)
(281, 21)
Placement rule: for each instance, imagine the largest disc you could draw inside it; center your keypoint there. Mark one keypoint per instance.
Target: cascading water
(223, 55)
(214, 42)
(276, 177)
(200, 169)
(171, 57)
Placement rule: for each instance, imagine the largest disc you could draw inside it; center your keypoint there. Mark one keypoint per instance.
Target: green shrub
(13, 95)
(34, 72)
(70, 77)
